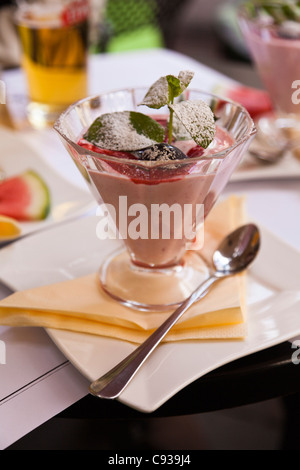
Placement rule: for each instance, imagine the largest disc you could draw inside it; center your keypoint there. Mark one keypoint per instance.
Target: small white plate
(67, 200)
(73, 249)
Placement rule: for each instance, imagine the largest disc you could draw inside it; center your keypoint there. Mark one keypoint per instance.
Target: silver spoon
(272, 154)
(273, 138)
(234, 254)
(268, 156)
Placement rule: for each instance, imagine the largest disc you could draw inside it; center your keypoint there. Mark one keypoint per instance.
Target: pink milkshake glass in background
(275, 49)
(158, 269)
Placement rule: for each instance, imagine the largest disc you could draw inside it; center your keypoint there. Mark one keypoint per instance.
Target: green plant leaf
(165, 89)
(157, 95)
(198, 119)
(185, 78)
(280, 10)
(174, 87)
(146, 126)
(124, 131)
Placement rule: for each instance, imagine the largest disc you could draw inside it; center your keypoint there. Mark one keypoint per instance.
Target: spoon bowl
(274, 138)
(273, 155)
(268, 156)
(237, 251)
(234, 254)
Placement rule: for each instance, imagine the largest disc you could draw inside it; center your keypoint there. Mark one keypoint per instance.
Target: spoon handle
(111, 384)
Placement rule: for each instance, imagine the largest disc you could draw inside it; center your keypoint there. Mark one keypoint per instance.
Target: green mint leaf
(124, 131)
(157, 95)
(185, 78)
(276, 11)
(174, 86)
(146, 126)
(250, 9)
(179, 130)
(291, 12)
(198, 119)
(279, 10)
(178, 85)
(165, 89)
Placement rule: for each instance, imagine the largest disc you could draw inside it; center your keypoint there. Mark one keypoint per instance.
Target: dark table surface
(261, 376)
(265, 375)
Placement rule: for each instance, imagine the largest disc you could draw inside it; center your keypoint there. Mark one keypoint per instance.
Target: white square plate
(72, 249)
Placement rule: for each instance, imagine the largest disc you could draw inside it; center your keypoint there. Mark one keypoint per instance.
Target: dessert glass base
(156, 273)
(43, 115)
(151, 289)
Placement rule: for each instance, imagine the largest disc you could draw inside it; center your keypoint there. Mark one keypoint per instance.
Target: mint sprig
(131, 130)
(164, 91)
(196, 116)
(279, 10)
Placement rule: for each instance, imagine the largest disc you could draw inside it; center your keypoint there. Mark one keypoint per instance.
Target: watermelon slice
(25, 197)
(256, 101)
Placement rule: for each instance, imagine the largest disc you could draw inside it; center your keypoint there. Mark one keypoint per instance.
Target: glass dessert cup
(277, 60)
(157, 208)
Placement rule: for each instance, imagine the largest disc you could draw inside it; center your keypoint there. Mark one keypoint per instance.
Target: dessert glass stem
(151, 289)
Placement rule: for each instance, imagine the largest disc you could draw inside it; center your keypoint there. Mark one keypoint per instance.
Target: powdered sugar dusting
(185, 76)
(161, 152)
(157, 154)
(158, 94)
(116, 132)
(198, 119)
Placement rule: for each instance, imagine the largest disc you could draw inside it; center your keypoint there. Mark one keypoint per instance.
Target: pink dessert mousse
(189, 181)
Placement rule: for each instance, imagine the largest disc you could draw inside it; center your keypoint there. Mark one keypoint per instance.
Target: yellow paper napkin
(80, 305)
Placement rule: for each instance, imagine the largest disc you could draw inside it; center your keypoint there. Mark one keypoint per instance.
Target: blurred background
(206, 31)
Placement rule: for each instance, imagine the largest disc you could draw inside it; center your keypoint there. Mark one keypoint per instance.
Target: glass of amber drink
(54, 39)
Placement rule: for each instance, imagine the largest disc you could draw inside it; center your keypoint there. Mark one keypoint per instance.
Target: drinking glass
(276, 55)
(54, 40)
(155, 205)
